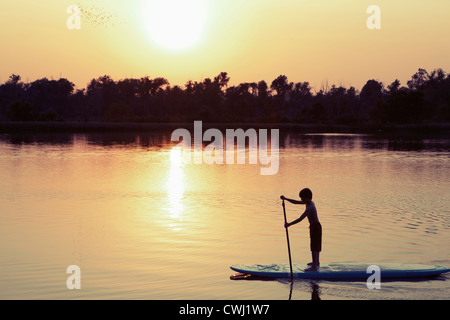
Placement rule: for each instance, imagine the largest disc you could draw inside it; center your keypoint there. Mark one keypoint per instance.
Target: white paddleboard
(345, 270)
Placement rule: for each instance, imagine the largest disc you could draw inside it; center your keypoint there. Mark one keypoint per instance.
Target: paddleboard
(345, 270)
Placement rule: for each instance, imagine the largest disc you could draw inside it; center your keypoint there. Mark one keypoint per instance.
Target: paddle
(287, 237)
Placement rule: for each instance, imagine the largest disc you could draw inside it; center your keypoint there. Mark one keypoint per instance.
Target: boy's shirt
(311, 213)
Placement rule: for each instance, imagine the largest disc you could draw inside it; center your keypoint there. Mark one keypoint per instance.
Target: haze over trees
(424, 99)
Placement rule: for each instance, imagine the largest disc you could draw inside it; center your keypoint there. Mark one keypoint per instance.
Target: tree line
(424, 99)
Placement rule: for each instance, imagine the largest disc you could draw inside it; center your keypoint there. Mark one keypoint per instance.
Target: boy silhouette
(315, 228)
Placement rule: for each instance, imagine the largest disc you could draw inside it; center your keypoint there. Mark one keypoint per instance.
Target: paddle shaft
(288, 245)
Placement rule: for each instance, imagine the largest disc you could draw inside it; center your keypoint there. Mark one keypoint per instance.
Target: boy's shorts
(315, 233)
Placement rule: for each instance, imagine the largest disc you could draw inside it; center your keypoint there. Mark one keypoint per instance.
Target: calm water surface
(141, 224)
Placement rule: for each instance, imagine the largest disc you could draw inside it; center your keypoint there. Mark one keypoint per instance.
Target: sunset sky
(252, 40)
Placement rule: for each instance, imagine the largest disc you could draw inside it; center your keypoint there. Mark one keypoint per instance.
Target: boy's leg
(314, 258)
(315, 264)
(316, 245)
(316, 255)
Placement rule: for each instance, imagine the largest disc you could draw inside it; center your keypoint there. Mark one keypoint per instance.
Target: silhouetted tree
(262, 90)
(418, 79)
(426, 98)
(394, 86)
(281, 86)
(21, 111)
(118, 112)
(11, 91)
(101, 93)
(371, 95)
(222, 80)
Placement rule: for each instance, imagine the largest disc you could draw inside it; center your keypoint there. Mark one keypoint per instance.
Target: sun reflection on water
(175, 183)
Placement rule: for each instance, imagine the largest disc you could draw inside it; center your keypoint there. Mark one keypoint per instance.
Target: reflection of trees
(150, 139)
(425, 98)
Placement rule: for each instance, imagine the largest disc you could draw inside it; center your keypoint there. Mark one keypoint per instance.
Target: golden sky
(252, 40)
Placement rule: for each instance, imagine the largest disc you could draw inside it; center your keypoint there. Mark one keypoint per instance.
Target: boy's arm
(303, 216)
(292, 200)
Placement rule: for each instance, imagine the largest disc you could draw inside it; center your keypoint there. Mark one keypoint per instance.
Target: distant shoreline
(86, 127)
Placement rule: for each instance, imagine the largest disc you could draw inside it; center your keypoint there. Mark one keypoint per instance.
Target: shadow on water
(313, 286)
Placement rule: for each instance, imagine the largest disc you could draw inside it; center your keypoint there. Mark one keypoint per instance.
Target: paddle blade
(240, 276)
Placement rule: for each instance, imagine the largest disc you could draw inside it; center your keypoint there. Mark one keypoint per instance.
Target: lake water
(142, 224)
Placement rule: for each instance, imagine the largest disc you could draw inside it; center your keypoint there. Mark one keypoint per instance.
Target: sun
(175, 24)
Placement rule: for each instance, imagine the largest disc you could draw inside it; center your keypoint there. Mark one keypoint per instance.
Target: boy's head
(305, 194)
